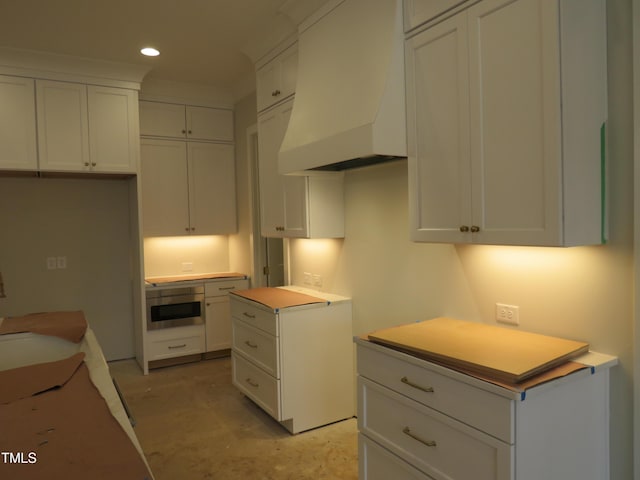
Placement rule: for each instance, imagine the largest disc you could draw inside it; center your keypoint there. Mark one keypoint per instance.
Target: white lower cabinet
(175, 342)
(296, 363)
(419, 420)
(218, 312)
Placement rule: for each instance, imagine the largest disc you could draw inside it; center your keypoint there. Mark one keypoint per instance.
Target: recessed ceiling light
(150, 52)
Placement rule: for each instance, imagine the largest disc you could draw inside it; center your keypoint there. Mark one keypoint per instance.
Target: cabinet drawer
(490, 413)
(254, 316)
(214, 289)
(260, 387)
(176, 347)
(258, 346)
(378, 463)
(434, 443)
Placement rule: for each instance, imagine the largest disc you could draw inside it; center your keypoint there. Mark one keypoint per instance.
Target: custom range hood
(349, 107)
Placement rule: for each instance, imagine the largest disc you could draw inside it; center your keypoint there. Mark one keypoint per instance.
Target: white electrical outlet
(306, 278)
(508, 314)
(317, 280)
(52, 263)
(187, 266)
(61, 262)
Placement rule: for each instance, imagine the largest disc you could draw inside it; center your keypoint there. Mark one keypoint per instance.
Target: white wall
(584, 293)
(168, 256)
(88, 222)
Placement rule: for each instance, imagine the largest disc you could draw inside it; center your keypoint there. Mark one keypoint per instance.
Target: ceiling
(211, 42)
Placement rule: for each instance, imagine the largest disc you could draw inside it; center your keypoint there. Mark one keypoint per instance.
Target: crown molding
(35, 64)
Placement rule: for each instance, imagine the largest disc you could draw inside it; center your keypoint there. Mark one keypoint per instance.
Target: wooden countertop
(195, 276)
(501, 353)
(278, 298)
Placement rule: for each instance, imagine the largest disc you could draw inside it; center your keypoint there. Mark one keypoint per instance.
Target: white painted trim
(636, 241)
(168, 91)
(275, 51)
(33, 64)
(255, 243)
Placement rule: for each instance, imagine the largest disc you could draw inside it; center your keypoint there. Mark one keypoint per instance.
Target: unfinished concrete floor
(194, 425)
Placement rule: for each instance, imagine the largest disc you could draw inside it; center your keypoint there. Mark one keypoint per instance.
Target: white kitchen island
(294, 358)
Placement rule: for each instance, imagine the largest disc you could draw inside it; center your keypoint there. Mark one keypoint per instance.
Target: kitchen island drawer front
(258, 346)
(434, 443)
(260, 387)
(219, 288)
(255, 316)
(378, 463)
(481, 409)
(176, 347)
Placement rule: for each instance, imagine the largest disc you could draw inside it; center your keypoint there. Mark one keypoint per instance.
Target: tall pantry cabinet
(506, 104)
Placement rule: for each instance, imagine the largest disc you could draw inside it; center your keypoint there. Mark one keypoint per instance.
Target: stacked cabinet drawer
(296, 363)
(418, 420)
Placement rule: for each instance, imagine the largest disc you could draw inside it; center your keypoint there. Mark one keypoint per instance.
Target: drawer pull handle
(250, 344)
(226, 288)
(428, 443)
(177, 346)
(252, 383)
(249, 315)
(406, 381)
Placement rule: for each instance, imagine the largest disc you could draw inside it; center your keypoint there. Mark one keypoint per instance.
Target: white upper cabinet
(276, 80)
(165, 188)
(86, 128)
(113, 129)
(212, 192)
(294, 206)
(188, 188)
(159, 119)
(18, 147)
(63, 126)
(504, 148)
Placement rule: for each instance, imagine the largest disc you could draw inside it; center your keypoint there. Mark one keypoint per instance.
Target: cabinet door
(218, 323)
(438, 132)
(276, 80)
(296, 215)
(212, 195)
(165, 207)
(515, 121)
(271, 129)
(162, 120)
(209, 124)
(288, 71)
(63, 127)
(18, 149)
(113, 128)
(266, 85)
